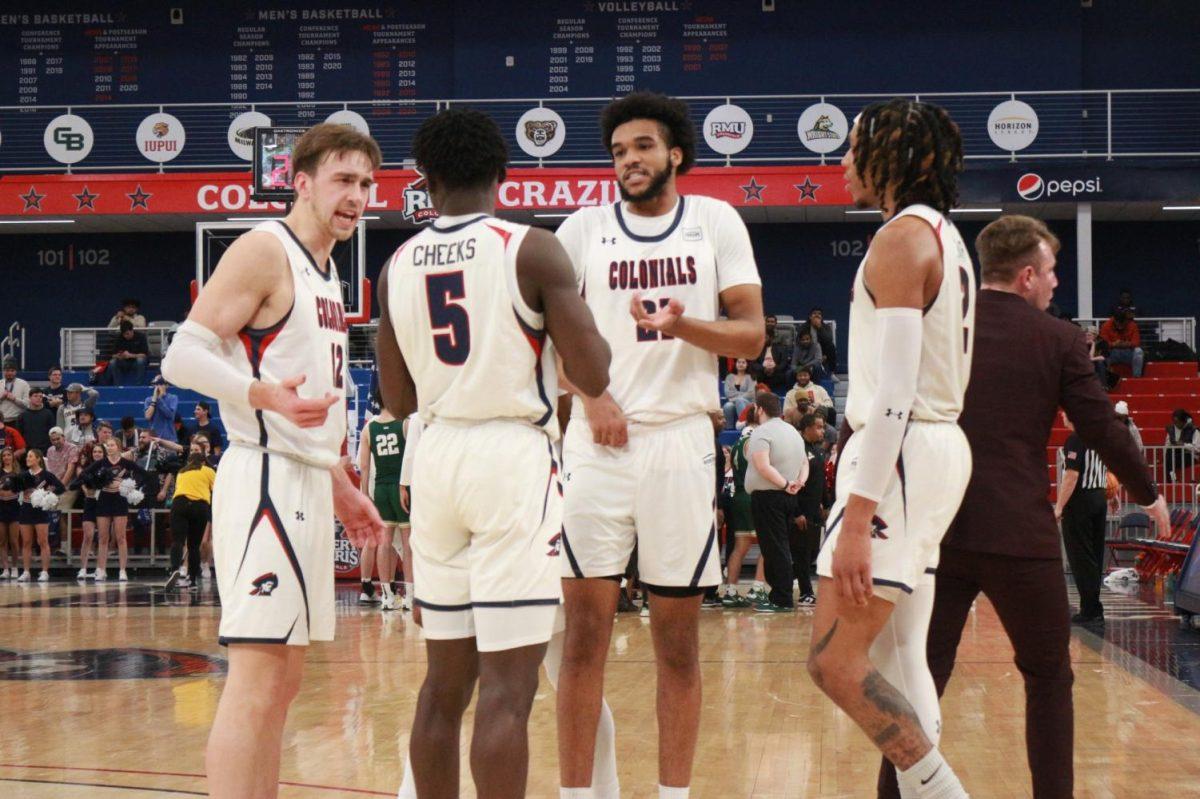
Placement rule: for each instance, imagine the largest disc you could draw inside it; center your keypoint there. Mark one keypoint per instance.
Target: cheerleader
(112, 506)
(88, 454)
(10, 509)
(35, 484)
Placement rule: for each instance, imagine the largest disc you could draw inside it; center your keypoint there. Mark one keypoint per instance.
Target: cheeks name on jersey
(650, 273)
(447, 254)
(331, 315)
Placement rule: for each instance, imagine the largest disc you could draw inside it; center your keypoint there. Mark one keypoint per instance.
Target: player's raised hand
(284, 400)
(661, 320)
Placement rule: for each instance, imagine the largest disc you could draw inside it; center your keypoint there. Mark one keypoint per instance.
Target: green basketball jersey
(737, 455)
(387, 449)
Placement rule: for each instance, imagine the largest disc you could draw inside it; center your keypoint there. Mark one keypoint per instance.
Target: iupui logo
(727, 130)
(264, 584)
(1031, 187)
(418, 208)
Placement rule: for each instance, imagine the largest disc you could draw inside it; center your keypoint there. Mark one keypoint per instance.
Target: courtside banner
(1041, 183)
(401, 191)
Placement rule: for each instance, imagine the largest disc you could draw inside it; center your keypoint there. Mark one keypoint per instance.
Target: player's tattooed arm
(740, 335)
(547, 284)
(396, 386)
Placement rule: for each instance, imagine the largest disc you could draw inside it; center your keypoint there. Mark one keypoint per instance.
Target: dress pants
(773, 514)
(1030, 597)
(1083, 534)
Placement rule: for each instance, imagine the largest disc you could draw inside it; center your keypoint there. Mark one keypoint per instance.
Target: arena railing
(83, 347)
(1154, 329)
(1072, 125)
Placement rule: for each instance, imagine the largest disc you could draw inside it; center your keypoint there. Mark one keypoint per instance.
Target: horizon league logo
(1032, 187)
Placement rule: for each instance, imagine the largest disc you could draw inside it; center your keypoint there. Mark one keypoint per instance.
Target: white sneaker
(645, 611)
(206, 575)
(405, 603)
(391, 602)
(123, 577)
(173, 580)
(4, 574)
(44, 576)
(100, 576)
(24, 578)
(81, 574)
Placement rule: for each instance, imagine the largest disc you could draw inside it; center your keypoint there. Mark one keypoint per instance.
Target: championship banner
(401, 191)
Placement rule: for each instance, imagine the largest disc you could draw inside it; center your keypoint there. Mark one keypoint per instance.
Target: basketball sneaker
(24, 578)
(767, 606)
(733, 600)
(390, 602)
(4, 574)
(173, 580)
(807, 600)
(82, 574)
(123, 577)
(44, 576)
(101, 575)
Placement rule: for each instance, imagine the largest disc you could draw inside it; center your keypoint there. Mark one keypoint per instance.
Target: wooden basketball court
(111, 691)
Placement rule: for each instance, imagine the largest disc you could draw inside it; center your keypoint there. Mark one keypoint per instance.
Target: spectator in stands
(1098, 353)
(808, 355)
(82, 429)
(56, 394)
(61, 459)
(1124, 340)
(131, 351)
(14, 398)
(130, 311)
(212, 429)
(104, 431)
(778, 469)
(1183, 444)
(739, 391)
(823, 334)
(127, 436)
(77, 397)
(11, 438)
(780, 340)
(1125, 301)
(35, 422)
(159, 409)
(10, 511)
(805, 388)
(1122, 409)
(769, 373)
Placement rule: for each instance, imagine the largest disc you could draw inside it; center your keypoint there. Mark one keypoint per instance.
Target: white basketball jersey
(310, 340)
(691, 254)
(476, 351)
(947, 333)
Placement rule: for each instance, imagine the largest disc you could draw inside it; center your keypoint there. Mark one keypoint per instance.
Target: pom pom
(135, 497)
(128, 485)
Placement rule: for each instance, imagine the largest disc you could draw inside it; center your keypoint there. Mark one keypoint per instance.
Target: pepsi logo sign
(1031, 186)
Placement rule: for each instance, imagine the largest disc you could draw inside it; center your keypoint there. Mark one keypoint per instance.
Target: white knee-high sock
(930, 778)
(899, 654)
(605, 783)
(408, 788)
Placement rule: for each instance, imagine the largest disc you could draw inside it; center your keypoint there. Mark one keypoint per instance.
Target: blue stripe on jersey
(326, 273)
(537, 340)
(661, 236)
(458, 227)
(708, 545)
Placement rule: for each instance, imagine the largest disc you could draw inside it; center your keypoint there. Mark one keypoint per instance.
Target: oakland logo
(540, 131)
(418, 208)
(1030, 186)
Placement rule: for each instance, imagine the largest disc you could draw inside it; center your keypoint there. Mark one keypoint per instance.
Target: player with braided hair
(904, 470)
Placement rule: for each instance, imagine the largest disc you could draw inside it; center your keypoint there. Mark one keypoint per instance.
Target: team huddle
(520, 534)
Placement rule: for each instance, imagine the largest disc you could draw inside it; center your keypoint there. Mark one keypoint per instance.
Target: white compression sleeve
(898, 340)
(899, 654)
(194, 361)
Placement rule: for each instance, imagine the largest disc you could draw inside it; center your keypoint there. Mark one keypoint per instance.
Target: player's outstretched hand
(1160, 516)
(284, 400)
(661, 320)
(851, 565)
(357, 512)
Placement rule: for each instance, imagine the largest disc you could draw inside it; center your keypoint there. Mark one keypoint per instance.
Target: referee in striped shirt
(1083, 509)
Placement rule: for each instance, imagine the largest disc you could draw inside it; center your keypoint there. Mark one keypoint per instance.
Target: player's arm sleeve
(194, 361)
(572, 234)
(735, 255)
(415, 426)
(898, 342)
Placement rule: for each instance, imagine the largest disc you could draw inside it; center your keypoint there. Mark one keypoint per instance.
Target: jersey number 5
(452, 341)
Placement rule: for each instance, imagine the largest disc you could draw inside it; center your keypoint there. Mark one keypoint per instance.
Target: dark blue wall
(802, 266)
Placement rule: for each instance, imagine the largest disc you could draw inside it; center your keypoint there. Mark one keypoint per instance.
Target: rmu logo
(727, 130)
(418, 208)
(264, 584)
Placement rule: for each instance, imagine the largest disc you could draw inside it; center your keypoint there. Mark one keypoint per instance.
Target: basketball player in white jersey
(267, 339)
(903, 472)
(656, 269)
(472, 310)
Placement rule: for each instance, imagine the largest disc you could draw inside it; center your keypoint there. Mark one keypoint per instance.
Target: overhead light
(551, 216)
(254, 219)
(976, 210)
(369, 217)
(37, 221)
(1181, 207)
(870, 211)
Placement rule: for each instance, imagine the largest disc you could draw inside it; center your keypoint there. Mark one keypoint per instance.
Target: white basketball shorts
(486, 531)
(917, 508)
(273, 533)
(657, 492)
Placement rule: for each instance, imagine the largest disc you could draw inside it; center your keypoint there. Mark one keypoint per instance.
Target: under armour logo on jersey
(264, 584)
(555, 545)
(878, 525)
(299, 515)
(607, 240)
(890, 413)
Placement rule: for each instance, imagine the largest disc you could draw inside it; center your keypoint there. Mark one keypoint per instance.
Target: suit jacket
(1006, 510)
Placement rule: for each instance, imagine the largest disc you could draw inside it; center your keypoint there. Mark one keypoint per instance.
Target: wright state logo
(541, 131)
(822, 129)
